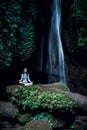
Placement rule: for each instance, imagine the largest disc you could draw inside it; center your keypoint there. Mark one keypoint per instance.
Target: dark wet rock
(77, 79)
(5, 125)
(14, 128)
(66, 129)
(59, 123)
(8, 109)
(41, 124)
(80, 100)
(80, 123)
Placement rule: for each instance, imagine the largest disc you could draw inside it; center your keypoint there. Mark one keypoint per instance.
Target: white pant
(25, 83)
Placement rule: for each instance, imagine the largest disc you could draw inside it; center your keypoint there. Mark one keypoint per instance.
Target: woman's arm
(29, 78)
(21, 78)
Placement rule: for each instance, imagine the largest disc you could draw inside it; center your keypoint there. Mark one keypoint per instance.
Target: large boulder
(56, 88)
(41, 124)
(80, 100)
(8, 109)
(36, 96)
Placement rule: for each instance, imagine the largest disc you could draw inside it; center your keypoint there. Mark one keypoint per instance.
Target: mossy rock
(11, 89)
(41, 124)
(35, 97)
(23, 118)
(55, 86)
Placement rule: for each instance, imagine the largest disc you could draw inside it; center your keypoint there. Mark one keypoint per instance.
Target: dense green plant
(34, 97)
(80, 19)
(79, 10)
(26, 45)
(82, 37)
(23, 118)
(73, 127)
(44, 115)
(17, 30)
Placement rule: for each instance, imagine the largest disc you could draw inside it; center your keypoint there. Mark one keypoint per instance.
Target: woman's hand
(30, 81)
(19, 80)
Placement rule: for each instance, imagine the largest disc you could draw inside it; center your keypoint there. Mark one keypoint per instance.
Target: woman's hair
(25, 70)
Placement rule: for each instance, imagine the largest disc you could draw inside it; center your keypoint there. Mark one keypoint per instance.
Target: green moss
(62, 87)
(34, 97)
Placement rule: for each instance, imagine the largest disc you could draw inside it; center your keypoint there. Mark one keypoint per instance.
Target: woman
(25, 79)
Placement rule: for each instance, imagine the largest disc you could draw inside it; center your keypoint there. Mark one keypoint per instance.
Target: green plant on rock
(73, 127)
(23, 118)
(44, 115)
(34, 97)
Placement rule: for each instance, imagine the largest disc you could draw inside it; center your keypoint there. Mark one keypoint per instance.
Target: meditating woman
(25, 79)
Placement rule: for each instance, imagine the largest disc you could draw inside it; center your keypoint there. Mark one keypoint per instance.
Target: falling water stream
(51, 60)
(55, 60)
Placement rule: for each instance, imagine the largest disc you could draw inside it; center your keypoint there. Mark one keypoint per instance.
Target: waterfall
(55, 60)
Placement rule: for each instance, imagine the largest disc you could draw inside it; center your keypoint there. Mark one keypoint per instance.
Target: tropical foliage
(79, 8)
(17, 30)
